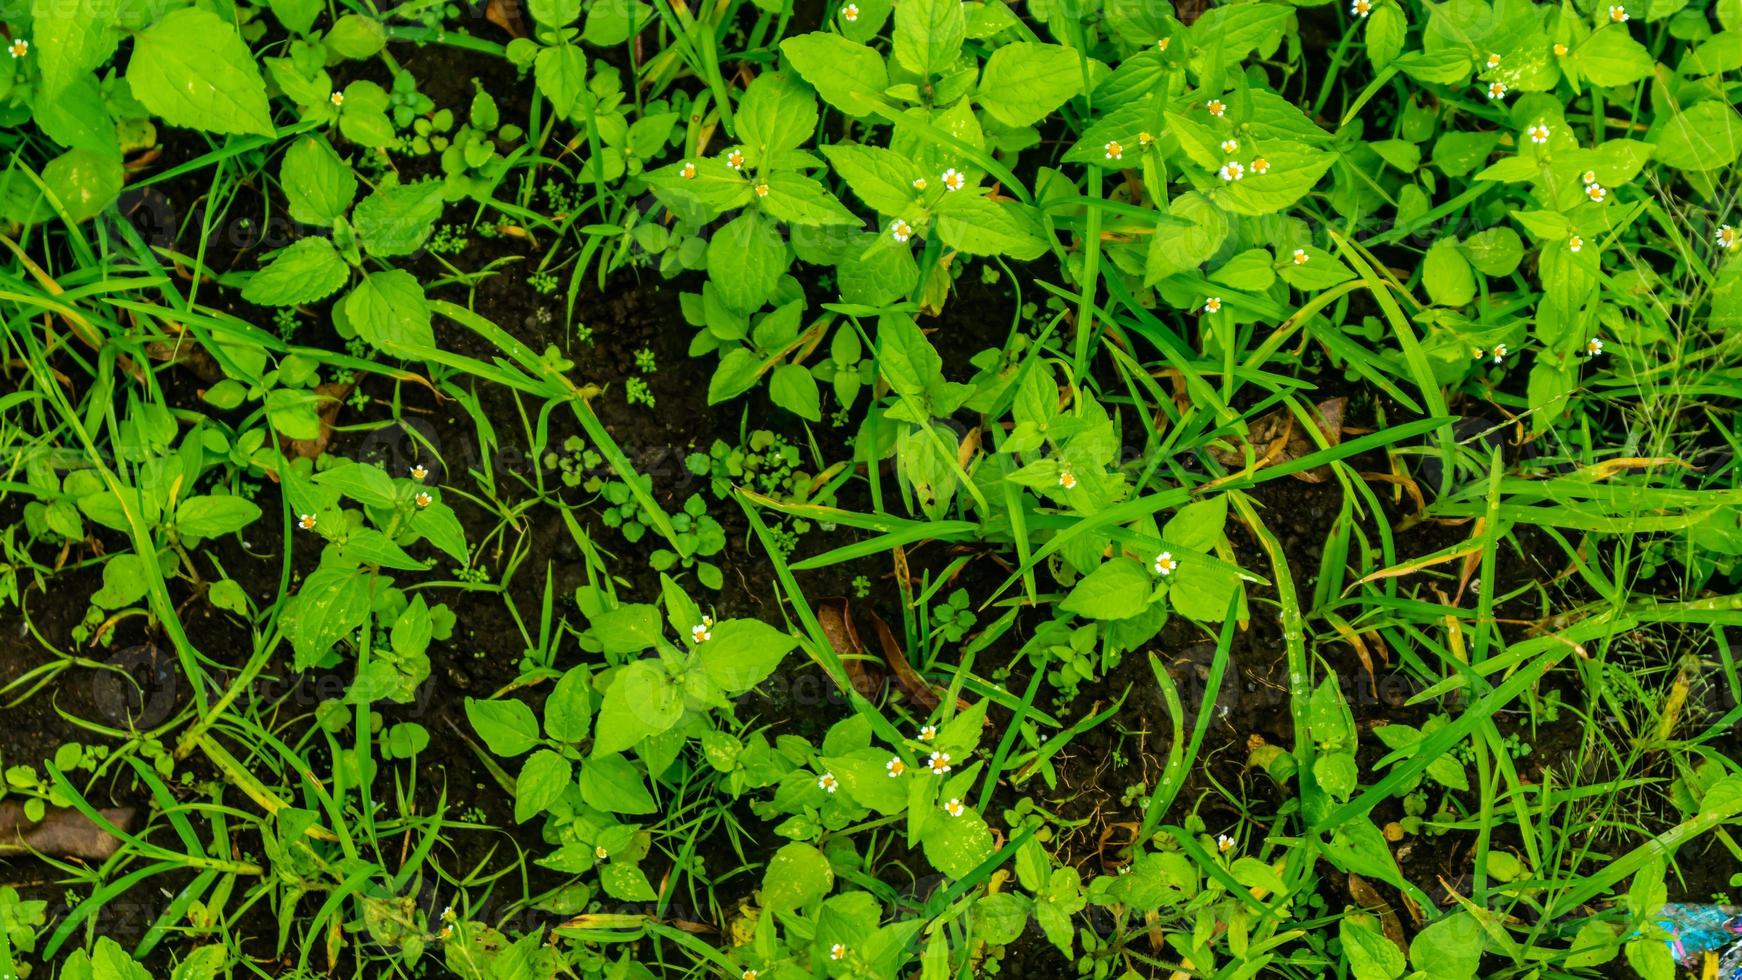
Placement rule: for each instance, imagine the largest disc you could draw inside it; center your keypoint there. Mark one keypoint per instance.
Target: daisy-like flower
(703, 631)
(1493, 60)
(1477, 353)
(919, 183)
(1230, 146)
(1232, 171)
(1538, 134)
(1575, 244)
(1617, 14)
(1596, 192)
(748, 975)
(418, 471)
(1361, 8)
(1594, 346)
(761, 190)
(423, 499)
(1496, 90)
(838, 951)
(901, 231)
(735, 159)
(337, 99)
(1144, 138)
(445, 933)
(1216, 107)
(954, 180)
(1301, 256)
(18, 48)
(1224, 843)
(828, 783)
(1113, 150)
(1162, 44)
(939, 763)
(1560, 50)
(1589, 177)
(850, 13)
(1068, 480)
(1164, 564)
(448, 914)
(896, 767)
(600, 852)
(689, 170)
(305, 521)
(955, 808)
(928, 733)
(1499, 353)
(1726, 237)
(1260, 166)
(1213, 304)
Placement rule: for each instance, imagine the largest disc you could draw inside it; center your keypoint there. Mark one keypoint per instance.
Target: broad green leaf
(356, 36)
(192, 69)
(331, 603)
(541, 782)
(317, 185)
(1449, 948)
(309, 270)
(76, 116)
(777, 113)
(796, 876)
(388, 310)
(746, 258)
(1447, 275)
(928, 35)
(1119, 589)
(1026, 81)
(568, 712)
(795, 198)
(740, 653)
(1371, 955)
(209, 515)
(980, 226)
(85, 183)
(124, 582)
(1706, 137)
(1494, 252)
(613, 784)
(507, 727)
(1199, 525)
(955, 845)
(70, 40)
(851, 77)
(1292, 170)
(1610, 56)
(397, 220)
(640, 702)
(794, 388)
(561, 74)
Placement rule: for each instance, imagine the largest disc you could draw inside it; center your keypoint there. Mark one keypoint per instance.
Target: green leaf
(1610, 56)
(209, 515)
(124, 582)
(1295, 168)
(742, 652)
(85, 183)
(309, 270)
(203, 963)
(356, 36)
(317, 185)
(397, 220)
(75, 116)
(610, 24)
(331, 604)
(746, 258)
(777, 113)
(956, 845)
(851, 77)
(297, 16)
(795, 198)
(737, 373)
(70, 40)
(980, 226)
(1025, 82)
(794, 388)
(613, 784)
(1446, 274)
(882, 178)
(1449, 948)
(388, 310)
(568, 712)
(192, 69)
(1371, 955)
(928, 35)
(796, 876)
(1198, 229)
(626, 883)
(1199, 525)
(1385, 30)
(629, 628)
(507, 727)
(363, 119)
(1704, 138)
(1119, 589)
(541, 782)
(641, 701)
(1495, 252)
(561, 74)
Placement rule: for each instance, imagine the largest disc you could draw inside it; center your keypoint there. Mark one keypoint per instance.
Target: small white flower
(1726, 237)
(838, 951)
(1493, 60)
(953, 180)
(928, 733)
(1538, 134)
(1260, 166)
(1496, 90)
(1617, 14)
(1216, 107)
(939, 763)
(1230, 146)
(419, 471)
(1499, 353)
(1361, 8)
(735, 159)
(919, 183)
(850, 13)
(828, 783)
(1144, 138)
(1477, 353)
(600, 852)
(1589, 177)
(423, 499)
(761, 190)
(1575, 244)
(955, 808)
(1068, 480)
(1213, 304)
(1114, 150)
(689, 170)
(305, 521)
(703, 631)
(1164, 564)
(896, 767)
(901, 231)
(18, 48)
(337, 99)
(1301, 256)
(1232, 171)
(1224, 843)
(1594, 346)
(748, 975)
(1596, 192)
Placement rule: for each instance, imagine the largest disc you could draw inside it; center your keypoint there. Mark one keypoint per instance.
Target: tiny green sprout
(644, 361)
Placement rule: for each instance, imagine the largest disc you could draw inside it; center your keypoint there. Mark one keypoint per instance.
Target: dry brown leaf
(1368, 897)
(864, 673)
(1277, 437)
(506, 15)
(909, 679)
(62, 832)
